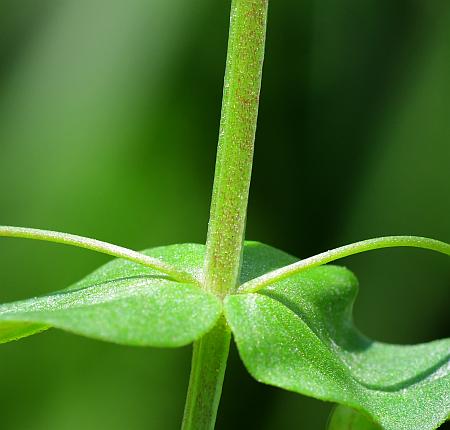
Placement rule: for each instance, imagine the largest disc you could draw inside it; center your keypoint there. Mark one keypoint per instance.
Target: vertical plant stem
(229, 201)
(209, 360)
(236, 142)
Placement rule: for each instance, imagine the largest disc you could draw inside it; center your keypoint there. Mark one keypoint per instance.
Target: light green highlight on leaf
(341, 252)
(142, 312)
(343, 418)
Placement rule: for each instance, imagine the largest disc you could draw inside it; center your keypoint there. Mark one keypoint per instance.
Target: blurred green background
(108, 125)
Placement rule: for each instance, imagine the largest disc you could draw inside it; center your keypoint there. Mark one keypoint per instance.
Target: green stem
(229, 201)
(344, 251)
(99, 246)
(236, 142)
(209, 361)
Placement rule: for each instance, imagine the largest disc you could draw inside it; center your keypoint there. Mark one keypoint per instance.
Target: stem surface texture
(226, 228)
(236, 142)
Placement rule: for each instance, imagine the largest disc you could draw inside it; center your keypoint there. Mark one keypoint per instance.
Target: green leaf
(123, 302)
(298, 334)
(343, 418)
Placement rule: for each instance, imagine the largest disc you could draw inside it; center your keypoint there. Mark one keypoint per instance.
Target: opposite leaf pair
(296, 333)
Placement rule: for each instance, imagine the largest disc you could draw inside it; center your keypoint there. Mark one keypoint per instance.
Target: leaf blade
(123, 302)
(144, 312)
(298, 334)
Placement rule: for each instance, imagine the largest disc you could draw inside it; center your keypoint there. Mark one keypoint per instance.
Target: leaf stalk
(344, 251)
(98, 246)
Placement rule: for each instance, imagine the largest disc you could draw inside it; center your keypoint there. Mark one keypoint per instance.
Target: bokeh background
(108, 125)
